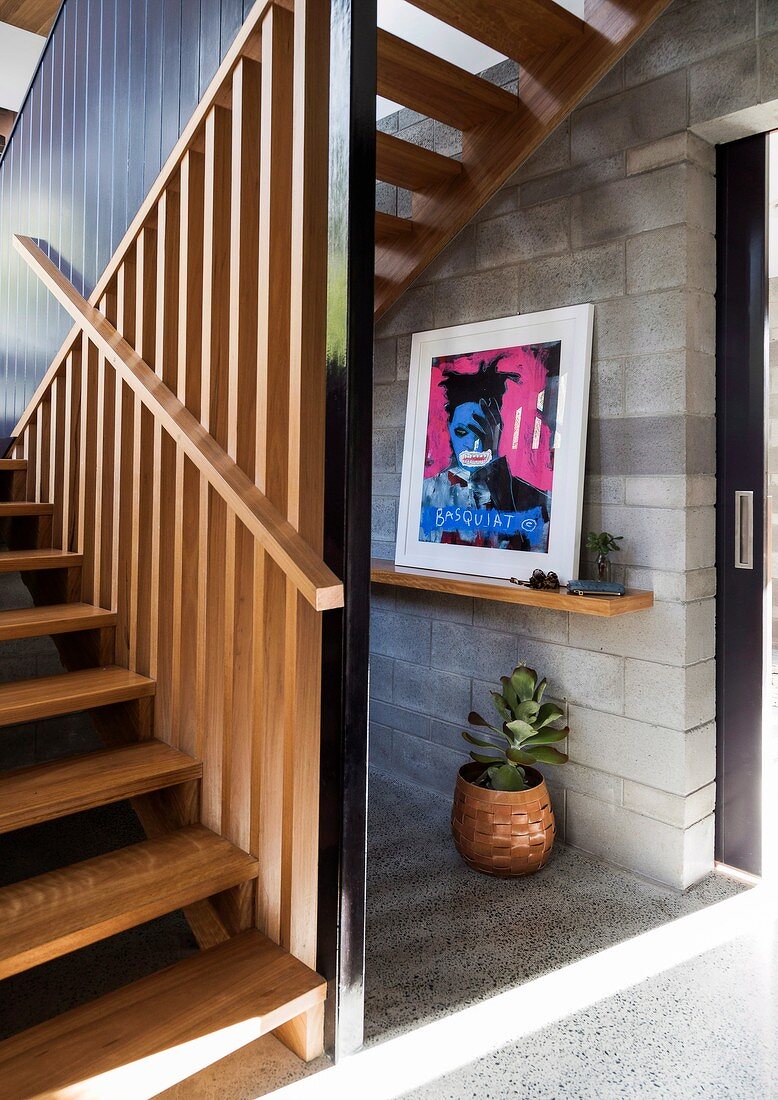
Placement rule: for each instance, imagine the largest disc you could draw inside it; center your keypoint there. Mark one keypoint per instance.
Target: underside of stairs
(560, 59)
(182, 586)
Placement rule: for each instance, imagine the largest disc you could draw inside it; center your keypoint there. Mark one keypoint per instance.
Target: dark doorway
(741, 372)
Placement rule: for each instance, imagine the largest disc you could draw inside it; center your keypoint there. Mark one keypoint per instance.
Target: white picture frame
(560, 340)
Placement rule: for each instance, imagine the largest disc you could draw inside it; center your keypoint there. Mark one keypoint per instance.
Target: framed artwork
(495, 440)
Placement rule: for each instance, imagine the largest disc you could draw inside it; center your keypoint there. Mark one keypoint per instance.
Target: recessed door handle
(744, 529)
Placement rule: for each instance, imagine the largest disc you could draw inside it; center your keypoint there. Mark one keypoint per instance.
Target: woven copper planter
(502, 833)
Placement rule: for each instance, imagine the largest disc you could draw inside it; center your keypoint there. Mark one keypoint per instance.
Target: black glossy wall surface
(117, 82)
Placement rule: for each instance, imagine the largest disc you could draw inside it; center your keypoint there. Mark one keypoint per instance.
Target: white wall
(19, 54)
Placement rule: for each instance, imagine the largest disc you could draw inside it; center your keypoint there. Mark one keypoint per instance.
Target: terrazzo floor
(705, 1028)
(441, 936)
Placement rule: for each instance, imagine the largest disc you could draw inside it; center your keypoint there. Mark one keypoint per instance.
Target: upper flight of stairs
(246, 980)
(560, 59)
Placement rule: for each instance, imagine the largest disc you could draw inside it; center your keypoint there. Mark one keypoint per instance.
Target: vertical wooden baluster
(72, 430)
(187, 593)
(124, 432)
(43, 463)
(56, 452)
(307, 394)
(30, 451)
(105, 446)
(272, 451)
(87, 465)
(237, 805)
(18, 479)
(215, 679)
(143, 459)
(164, 463)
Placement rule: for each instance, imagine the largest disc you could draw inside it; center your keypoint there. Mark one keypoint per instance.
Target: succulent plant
(526, 736)
(602, 543)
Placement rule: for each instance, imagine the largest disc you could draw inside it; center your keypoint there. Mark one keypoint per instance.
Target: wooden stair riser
(144, 1038)
(49, 791)
(32, 560)
(11, 510)
(69, 693)
(100, 897)
(39, 622)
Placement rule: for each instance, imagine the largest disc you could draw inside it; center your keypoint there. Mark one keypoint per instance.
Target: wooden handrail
(310, 575)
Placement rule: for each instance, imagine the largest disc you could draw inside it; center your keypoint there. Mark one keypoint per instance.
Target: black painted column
(343, 817)
(741, 338)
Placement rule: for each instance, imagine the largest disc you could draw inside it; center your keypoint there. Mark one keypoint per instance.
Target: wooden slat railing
(305, 569)
(179, 433)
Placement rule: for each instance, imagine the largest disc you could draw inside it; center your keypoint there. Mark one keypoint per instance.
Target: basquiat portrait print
(489, 467)
(495, 437)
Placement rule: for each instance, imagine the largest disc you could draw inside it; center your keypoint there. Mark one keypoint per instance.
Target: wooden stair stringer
(493, 152)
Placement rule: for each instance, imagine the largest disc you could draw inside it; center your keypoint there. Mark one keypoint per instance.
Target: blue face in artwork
(468, 444)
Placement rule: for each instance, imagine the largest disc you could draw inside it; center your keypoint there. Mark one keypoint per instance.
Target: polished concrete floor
(441, 936)
(446, 945)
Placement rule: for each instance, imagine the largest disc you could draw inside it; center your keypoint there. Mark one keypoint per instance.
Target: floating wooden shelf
(488, 588)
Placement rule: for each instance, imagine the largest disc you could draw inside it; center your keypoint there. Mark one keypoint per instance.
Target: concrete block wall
(616, 208)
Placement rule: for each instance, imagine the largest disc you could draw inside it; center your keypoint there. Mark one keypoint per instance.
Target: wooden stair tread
(388, 226)
(434, 87)
(68, 692)
(12, 464)
(60, 911)
(35, 622)
(48, 791)
(411, 166)
(13, 561)
(524, 30)
(24, 508)
(145, 1037)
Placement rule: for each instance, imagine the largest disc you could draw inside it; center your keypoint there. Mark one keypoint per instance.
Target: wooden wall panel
(89, 140)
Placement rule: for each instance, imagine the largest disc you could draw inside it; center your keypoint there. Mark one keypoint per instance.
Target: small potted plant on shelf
(603, 544)
(502, 819)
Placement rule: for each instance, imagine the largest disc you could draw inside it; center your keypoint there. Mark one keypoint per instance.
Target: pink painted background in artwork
(535, 466)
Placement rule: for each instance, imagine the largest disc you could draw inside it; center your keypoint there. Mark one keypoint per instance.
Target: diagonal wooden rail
(310, 575)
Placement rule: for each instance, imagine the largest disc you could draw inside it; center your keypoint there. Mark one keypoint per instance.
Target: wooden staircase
(130, 1042)
(163, 504)
(561, 58)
